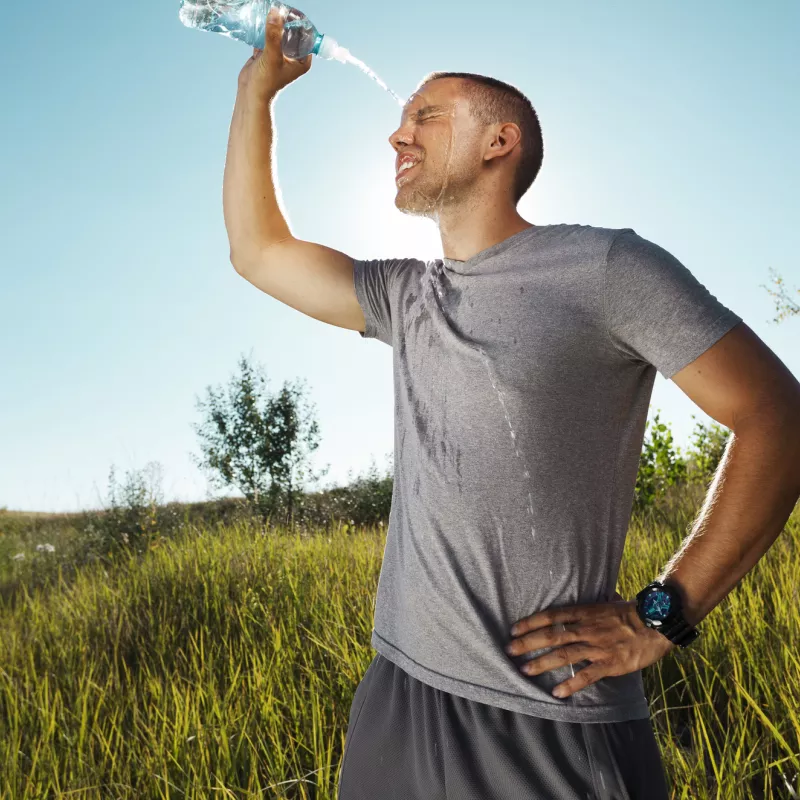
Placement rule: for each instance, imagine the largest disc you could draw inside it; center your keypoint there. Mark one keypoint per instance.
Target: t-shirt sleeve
(657, 312)
(376, 283)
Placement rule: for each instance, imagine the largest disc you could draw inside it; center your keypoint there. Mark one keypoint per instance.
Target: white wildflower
(19, 556)
(47, 547)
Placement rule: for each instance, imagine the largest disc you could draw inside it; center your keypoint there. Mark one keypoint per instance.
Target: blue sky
(118, 302)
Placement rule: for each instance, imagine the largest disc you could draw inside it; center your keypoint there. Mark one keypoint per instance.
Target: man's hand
(610, 635)
(269, 70)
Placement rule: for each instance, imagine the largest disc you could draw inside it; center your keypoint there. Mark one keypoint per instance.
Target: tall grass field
(222, 664)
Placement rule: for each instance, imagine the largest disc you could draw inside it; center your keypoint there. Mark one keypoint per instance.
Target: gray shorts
(409, 741)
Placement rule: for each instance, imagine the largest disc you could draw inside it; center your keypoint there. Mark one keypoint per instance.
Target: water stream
(346, 57)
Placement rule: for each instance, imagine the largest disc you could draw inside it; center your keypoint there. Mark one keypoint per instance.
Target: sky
(118, 301)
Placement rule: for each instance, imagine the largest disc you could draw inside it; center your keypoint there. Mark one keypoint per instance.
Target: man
(524, 361)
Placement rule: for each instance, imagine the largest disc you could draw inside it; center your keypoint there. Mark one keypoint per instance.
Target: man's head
(471, 138)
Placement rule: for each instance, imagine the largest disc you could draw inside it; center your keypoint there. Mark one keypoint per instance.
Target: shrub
(660, 465)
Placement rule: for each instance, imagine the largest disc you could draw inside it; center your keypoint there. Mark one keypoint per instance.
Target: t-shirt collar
(471, 265)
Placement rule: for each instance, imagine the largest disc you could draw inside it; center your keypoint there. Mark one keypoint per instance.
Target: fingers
(545, 637)
(570, 654)
(550, 616)
(583, 678)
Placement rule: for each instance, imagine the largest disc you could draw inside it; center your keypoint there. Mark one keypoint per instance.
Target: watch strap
(679, 632)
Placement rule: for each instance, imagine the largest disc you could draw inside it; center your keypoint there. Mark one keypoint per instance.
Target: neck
(470, 227)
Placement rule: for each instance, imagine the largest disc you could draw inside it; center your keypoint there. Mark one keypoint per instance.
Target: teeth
(406, 165)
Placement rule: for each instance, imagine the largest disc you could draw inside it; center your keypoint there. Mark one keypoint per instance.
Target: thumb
(273, 30)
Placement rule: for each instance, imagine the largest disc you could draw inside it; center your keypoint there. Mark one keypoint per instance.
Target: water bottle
(246, 21)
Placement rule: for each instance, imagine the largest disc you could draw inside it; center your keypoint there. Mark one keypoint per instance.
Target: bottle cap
(328, 47)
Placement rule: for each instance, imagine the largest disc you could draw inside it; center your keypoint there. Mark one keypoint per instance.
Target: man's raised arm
(309, 277)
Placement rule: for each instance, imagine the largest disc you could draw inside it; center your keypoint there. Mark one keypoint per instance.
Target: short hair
(490, 101)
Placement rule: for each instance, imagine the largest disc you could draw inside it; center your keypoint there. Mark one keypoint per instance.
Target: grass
(223, 664)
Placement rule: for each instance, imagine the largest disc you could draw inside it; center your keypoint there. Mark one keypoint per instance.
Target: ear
(504, 139)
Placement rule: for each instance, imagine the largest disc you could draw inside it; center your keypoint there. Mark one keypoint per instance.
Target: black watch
(660, 607)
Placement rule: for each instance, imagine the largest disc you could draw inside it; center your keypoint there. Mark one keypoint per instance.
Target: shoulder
(592, 240)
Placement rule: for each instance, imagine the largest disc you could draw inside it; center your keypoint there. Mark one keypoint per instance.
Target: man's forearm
(754, 491)
(253, 217)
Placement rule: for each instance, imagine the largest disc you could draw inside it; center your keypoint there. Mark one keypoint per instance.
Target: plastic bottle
(246, 21)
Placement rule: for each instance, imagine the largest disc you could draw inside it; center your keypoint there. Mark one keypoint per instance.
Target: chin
(414, 203)
(416, 211)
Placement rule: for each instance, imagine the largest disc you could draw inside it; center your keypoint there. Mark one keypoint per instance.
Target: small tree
(257, 443)
(293, 438)
(709, 447)
(660, 465)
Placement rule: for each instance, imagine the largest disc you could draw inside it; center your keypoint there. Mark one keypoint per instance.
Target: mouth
(403, 175)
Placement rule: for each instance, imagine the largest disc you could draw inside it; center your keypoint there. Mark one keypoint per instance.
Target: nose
(402, 136)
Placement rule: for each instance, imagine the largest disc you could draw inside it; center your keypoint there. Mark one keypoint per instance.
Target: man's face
(441, 140)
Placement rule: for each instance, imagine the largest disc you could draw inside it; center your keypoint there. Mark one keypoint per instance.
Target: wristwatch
(660, 607)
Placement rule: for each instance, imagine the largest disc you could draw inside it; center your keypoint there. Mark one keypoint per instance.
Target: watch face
(657, 605)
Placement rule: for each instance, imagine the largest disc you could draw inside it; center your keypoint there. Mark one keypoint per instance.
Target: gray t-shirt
(522, 381)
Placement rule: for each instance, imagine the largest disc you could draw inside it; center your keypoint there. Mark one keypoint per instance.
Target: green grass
(223, 664)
